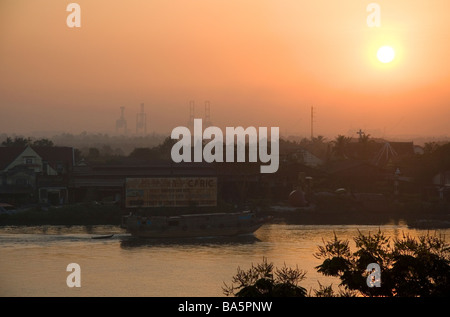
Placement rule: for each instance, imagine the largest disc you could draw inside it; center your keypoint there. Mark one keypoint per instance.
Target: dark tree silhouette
(43, 142)
(93, 153)
(430, 147)
(18, 141)
(409, 266)
(263, 280)
(144, 154)
(340, 145)
(22, 142)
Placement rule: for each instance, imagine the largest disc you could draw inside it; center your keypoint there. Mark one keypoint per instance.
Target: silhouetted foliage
(436, 158)
(340, 144)
(93, 153)
(22, 142)
(263, 280)
(43, 142)
(327, 291)
(430, 147)
(121, 144)
(18, 141)
(78, 156)
(409, 266)
(143, 154)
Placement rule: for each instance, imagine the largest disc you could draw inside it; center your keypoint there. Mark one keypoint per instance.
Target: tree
(164, 149)
(106, 151)
(78, 155)
(305, 142)
(327, 291)
(18, 141)
(263, 280)
(340, 145)
(436, 159)
(43, 142)
(365, 146)
(320, 139)
(22, 142)
(317, 146)
(93, 153)
(408, 266)
(364, 138)
(430, 147)
(143, 154)
(422, 267)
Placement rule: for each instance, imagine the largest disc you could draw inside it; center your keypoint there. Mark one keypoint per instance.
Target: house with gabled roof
(31, 174)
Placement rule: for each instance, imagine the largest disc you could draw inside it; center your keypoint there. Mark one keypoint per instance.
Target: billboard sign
(171, 192)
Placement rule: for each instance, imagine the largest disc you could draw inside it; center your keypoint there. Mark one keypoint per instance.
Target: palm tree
(365, 141)
(364, 138)
(320, 139)
(318, 146)
(340, 146)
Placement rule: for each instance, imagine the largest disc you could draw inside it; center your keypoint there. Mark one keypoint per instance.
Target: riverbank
(414, 214)
(77, 214)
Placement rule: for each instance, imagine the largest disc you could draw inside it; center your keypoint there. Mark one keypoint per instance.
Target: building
(441, 182)
(305, 157)
(35, 174)
(357, 175)
(105, 182)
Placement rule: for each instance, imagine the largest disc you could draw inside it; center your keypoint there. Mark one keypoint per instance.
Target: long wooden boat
(106, 236)
(193, 225)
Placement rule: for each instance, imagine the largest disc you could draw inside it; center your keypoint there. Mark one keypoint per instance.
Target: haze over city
(258, 63)
(125, 169)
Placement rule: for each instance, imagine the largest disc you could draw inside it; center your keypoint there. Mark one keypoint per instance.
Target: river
(33, 260)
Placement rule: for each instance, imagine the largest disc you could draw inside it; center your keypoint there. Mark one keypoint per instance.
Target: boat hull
(193, 225)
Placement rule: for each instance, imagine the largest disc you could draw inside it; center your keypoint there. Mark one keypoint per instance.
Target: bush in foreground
(263, 280)
(409, 267)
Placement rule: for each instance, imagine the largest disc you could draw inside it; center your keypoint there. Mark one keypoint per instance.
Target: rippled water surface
(33, 260)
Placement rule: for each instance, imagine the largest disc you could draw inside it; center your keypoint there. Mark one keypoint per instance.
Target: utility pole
(121, 123)
(141, 121)
(312, 123)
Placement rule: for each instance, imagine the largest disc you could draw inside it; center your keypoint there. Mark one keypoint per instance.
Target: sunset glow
(386, 54)
(164, 148)
(258, 63)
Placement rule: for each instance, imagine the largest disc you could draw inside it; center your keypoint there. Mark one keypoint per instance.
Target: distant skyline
(258, 63)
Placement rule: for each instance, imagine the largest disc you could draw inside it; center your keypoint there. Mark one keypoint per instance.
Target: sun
(386, 54)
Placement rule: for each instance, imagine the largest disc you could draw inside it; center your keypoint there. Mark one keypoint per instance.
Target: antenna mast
(141, 121)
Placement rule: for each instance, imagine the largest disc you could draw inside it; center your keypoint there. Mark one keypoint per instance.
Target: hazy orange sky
(258, 62)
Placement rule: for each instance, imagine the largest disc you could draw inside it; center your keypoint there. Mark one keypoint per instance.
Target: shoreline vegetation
(336, 210)
(77, 214)
(381, 266)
